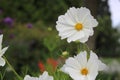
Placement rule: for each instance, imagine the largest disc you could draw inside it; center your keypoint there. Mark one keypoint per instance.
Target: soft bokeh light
(115, 14)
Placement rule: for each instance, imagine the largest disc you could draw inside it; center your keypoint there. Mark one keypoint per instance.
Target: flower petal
(75, 74)
(45, 76)
(2, 61)
(62, 27)
(88, 31)
(76, 36)
(1, 37)
(72, 14)
(3, 51)
(67, 34)
(65, 20)
(82, 58)
(89, 21)
(82, 13)
(84, 39)
(92, 66)
(102, 66)
(27, 77)
(73, 63)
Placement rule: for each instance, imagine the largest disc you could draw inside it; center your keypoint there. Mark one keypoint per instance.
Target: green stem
(88, 50)
(78, 48)
(83, 47)
(19, 77)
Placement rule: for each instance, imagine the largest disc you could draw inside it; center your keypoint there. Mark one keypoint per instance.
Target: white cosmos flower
(44, 76)
(81, 68)
(76, 25)
(2, 51)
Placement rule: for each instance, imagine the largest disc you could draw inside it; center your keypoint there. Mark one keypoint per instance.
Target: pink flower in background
(41, 66)
(29, 25)
(8, 21)
(52, 62)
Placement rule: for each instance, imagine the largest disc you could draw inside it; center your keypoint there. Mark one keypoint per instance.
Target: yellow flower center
(78, 26)
(84, 71)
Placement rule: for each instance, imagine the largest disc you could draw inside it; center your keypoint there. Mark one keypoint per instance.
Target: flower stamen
(84, 71)
(78, 26)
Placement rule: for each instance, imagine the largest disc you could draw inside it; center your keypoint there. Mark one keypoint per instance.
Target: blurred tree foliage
(107, 37)
(33, 10)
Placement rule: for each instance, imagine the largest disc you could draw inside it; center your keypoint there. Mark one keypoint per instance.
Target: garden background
(34, 45)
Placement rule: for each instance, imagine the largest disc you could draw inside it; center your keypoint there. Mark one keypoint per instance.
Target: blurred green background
(29, 31)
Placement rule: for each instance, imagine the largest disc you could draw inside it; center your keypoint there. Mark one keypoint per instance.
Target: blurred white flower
(76, 25)
(44, 76)
(82, 68)
(113, 67)
(2, 51)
